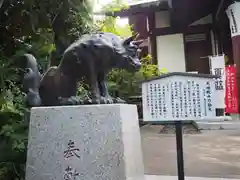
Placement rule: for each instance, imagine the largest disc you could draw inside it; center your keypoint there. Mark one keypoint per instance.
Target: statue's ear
(130, 39)
(138, 42)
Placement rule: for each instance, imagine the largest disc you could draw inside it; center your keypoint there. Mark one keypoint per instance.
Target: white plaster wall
(170, 53)
(162, 19)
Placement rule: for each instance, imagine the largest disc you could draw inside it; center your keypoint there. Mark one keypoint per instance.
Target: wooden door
(197, 48)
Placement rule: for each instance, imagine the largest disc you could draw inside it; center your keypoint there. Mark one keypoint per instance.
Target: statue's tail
(31, 62)
(31, 80)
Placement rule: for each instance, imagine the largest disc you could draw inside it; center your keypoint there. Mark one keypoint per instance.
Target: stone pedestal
(90, 142)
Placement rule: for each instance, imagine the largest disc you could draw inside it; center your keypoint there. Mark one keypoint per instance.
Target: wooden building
(181, 34)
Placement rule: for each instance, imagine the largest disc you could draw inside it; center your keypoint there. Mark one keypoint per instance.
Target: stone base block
(88, 142)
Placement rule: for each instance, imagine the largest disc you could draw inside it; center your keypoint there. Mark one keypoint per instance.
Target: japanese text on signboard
(180, 99)
(219, 82)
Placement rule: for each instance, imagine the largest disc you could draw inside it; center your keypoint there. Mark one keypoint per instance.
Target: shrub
(126, 84)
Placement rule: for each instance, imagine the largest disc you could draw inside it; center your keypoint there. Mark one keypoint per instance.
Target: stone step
(219, 125)
(217, 119)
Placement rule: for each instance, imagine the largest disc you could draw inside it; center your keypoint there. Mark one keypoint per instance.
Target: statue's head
(131, 59)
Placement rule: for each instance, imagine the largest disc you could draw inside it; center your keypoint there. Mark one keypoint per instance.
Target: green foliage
(45, 29)
(122, 82)
(128, 84)
(114, 6)
(13, 135)
(13, 127)
(52, 25)
(42, 28)
(109, 23)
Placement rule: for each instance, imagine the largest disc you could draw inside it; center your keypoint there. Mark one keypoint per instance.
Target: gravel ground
(209, 154)
(186, 129)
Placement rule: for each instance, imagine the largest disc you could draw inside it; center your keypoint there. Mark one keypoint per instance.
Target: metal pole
(180, 162)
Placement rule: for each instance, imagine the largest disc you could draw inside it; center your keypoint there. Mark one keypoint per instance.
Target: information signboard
(178, 96)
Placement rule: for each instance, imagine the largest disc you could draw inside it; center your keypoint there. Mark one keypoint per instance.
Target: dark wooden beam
(197, 29)
(187, 30)
(164, 31)
(188, 11)
(153, 40)
(176, 13)
(218, 9)
(138, 9)
(221, 8)
(198, 15)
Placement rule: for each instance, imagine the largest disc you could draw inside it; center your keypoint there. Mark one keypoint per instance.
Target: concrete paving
(155, 177)
(210, 154)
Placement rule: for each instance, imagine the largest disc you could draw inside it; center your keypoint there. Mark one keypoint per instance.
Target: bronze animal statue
(92, 56)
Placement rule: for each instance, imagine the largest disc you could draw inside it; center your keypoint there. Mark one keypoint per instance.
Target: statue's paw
(64, 101)
(87, 101)
(118, 101)
(77, 100)
(96, 101)
(32, 99)
(73, 100)
(107, 100)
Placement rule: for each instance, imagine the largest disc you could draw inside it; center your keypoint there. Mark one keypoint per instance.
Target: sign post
(177, 97)
(179, 143)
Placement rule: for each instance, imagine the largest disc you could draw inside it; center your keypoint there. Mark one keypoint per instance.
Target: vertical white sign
(217, 67)
(233, 13)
